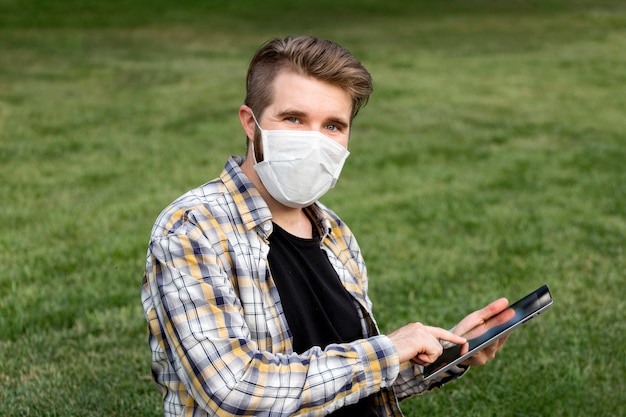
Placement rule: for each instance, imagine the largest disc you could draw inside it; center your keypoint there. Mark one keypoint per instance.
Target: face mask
(299, 166)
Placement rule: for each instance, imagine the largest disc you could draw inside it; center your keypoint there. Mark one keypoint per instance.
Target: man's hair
(308, 56)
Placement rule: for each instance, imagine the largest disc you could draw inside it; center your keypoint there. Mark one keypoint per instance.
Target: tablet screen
(498, 326)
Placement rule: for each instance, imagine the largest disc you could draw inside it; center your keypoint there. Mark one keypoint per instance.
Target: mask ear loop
(253, 139)
(255, 120)
(253, 153)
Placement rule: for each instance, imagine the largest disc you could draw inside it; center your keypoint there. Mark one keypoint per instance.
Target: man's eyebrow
(300, 114)
(339, 122)
(290, 113)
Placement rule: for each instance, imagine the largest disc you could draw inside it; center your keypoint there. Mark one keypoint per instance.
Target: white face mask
(299, 166)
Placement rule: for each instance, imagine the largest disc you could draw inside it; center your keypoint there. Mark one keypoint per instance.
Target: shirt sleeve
(198, 318)
(410, 381)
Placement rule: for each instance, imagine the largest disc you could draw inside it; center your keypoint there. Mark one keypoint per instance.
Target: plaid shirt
(219, 338)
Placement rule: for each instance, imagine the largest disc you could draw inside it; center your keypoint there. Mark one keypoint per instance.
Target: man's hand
(421, 344)
(477, 323)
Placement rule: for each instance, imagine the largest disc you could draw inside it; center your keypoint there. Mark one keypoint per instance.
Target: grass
(490, 160)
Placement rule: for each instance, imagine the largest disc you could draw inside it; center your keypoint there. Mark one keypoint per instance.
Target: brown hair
(309, 56)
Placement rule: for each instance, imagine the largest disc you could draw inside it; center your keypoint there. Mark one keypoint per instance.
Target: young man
(254, 292)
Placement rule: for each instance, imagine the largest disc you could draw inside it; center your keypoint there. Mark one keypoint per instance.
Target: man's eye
(292, 119)
(332, 128)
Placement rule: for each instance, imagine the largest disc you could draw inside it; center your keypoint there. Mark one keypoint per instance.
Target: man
(254, 292)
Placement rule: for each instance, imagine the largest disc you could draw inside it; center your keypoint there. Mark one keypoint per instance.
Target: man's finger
(492, 308)
(479, 317)
(447, 336)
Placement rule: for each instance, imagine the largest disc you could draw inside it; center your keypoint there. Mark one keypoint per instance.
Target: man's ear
(247, 121)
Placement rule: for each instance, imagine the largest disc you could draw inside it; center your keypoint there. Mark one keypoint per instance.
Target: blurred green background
(490, 160)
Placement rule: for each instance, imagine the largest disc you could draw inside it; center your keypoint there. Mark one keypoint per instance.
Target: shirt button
(267, 227)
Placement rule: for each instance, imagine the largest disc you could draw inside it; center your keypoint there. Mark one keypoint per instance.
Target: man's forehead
(294, 93)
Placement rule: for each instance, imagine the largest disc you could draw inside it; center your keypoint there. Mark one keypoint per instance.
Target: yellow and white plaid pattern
(219, 338)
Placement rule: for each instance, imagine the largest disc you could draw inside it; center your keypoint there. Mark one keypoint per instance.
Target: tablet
(495, 328)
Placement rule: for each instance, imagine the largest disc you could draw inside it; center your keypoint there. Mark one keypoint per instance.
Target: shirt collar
(250, 204)
(315, 212)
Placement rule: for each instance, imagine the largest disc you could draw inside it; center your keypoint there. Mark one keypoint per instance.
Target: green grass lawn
(491, 159)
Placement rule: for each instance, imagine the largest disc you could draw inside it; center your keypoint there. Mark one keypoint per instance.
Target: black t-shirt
(317, 307)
